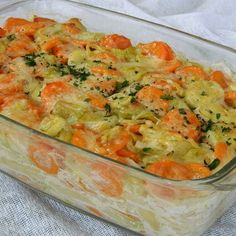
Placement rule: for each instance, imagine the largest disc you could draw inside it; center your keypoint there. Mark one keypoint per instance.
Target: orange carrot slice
(230, 95)
(135, 128)
(51, 43)
(192, 70)
(20, 47)
(71, 28)
(43, 156)
(219, 78)
(221, 150)
(129, 154)
(2, 32)
(108, 179)
(119, 142)
(151, 97)
(115, 41)
(108, 86)
(55, 88)
(184, 122)
(97, 100)
(106, 56)
(80, 138)
(12, 22)
(100, 70)
(159, 49)
(172, 66)
(170, 169)
(199, 171)
(44, 20)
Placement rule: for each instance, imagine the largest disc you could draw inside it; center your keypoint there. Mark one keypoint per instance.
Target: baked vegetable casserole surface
(142, 105)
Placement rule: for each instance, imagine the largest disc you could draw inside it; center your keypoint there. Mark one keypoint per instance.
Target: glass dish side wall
(135, 200)
(108, 190)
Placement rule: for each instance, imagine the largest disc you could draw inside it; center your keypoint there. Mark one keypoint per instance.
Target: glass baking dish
(123, 195)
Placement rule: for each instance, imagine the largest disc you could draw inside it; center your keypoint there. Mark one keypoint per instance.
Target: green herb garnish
(30, 59)
(167, 97)
(11, 37)
(76, 84)
(97, 61)
(80, 73)
(87, 99)
(182, 111)
(107, 108)
(207, 126)
(120, 86)
(214, 164)
(225, 129)
(147, 149)
(218, 116)
(138, 87)
(133, 100)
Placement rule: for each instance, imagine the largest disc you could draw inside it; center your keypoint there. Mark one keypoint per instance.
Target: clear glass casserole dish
(120, 194)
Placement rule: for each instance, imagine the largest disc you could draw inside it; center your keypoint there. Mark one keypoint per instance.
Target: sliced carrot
(71, 28)
(55, 88)
(81, 43)
(187, 124)
(106, 56)
(151, 97)
(170, 169)
(115, 41)
(108, 86)
(77, 23)
(43, 156)
(4, 59)
(8, 85)
(192, 118)
(192, 70)
(61, 52)
(164, 191)
(97, 100)
(219, 78)
(101, 70)
(108, 179)
(6, 100)
(199, 171)
(44, 20)
(135, 128)
(36, 109)
(20, 47)
(79, 138)
(230, 96)
(2, 32)
(30, 28)
(12, 22)
(166, 85)
(172, 66)
(221, 150)
(129, 154)
(51, 43)
(118, 142)
(159, 49)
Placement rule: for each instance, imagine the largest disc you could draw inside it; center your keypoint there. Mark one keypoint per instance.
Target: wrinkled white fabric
(24, 212)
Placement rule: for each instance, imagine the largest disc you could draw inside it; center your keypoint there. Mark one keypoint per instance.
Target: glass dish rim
(224, 171)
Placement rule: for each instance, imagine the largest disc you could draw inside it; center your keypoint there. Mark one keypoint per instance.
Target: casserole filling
(142, 105)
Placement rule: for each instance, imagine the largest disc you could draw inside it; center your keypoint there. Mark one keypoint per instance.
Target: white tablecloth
(24, 212)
